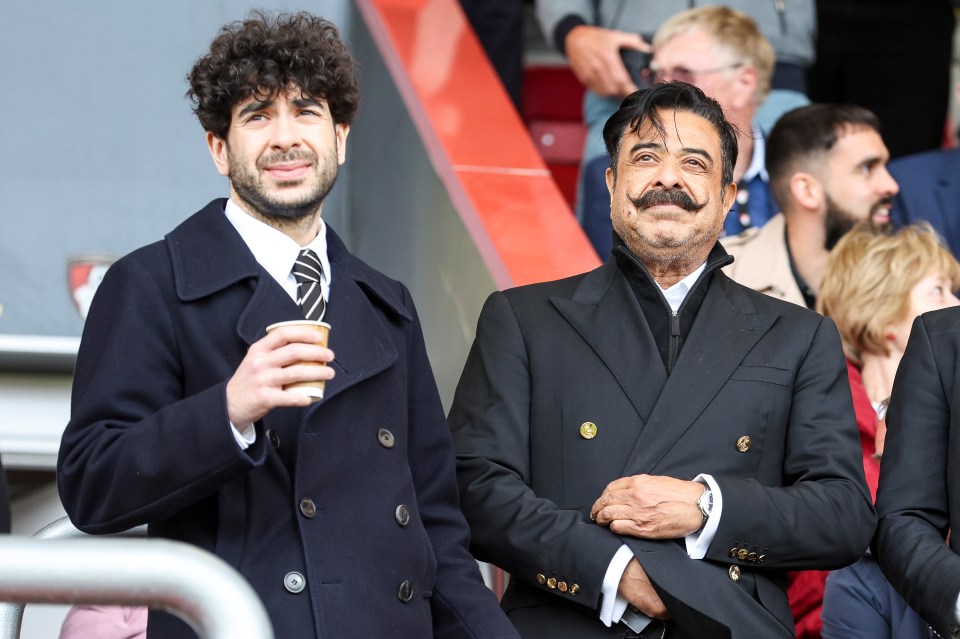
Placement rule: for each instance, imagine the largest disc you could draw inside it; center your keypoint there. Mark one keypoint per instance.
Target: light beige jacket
(761, 261)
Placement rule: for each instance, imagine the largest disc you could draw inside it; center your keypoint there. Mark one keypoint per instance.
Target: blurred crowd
(848, 198)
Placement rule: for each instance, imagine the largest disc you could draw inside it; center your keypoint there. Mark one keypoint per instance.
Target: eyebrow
(639, 146)
(306, 102)
(259, 105)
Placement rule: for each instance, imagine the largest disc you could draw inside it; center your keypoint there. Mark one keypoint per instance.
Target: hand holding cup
(311, 388)
(285, 368)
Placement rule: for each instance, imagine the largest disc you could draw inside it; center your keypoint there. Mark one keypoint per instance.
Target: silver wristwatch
(705, 504)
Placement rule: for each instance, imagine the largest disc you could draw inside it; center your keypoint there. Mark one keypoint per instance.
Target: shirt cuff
(613, 602)
(244, 435)
(699, 542)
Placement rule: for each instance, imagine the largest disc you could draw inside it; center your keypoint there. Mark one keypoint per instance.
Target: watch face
(706, 502)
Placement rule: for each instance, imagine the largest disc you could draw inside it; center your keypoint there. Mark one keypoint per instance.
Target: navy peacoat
(344, 515)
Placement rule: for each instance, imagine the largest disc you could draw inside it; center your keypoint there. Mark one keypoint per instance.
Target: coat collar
(209, 256)
(605, 312)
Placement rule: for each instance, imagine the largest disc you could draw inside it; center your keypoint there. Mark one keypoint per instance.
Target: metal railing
(60, 564)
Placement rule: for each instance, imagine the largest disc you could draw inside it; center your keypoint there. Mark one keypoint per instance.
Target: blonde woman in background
(876, 284)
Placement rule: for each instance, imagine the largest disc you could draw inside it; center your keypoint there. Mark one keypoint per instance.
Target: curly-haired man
(342, 513)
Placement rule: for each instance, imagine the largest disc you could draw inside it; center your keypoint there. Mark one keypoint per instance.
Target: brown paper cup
(312, 389)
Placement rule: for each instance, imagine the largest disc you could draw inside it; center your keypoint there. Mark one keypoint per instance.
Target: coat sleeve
(512, 527)
(462, 606)
(821, 516)
(550, 14)
(913, 500)
(136, 449)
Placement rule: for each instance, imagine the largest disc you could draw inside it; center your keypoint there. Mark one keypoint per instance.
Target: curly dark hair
(265, 55)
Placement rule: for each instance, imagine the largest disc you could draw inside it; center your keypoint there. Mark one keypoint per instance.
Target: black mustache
(672, 196)
(285, 158)
(884, 201)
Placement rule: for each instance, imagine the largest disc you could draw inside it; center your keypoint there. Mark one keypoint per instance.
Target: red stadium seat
(553, 113)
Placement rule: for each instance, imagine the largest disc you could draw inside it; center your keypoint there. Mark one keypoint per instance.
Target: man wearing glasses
(722, 52)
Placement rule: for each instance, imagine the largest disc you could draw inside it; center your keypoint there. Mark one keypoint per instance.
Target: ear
(341, 131)
(611, 180)
(218, 151)
(729, 196)
(748, 81)
(807, 190)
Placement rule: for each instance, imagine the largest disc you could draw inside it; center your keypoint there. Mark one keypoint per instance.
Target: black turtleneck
(668, 330)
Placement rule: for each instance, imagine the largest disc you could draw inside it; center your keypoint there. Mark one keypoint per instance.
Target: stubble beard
(250, 189)
(838, 221)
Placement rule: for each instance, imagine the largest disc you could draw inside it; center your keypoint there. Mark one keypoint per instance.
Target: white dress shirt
(614, 604)
(276, 252)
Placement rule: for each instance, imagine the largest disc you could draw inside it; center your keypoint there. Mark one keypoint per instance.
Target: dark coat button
(402, 514)
(308, 508)
(405, 592)
(273, 438)
(294, 582)
(385, 437)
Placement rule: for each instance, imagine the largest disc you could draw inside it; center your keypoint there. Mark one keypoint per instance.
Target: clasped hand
(650, 507)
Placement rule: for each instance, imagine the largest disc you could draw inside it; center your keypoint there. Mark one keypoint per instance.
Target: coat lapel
(361, 299)
(606, 314)
(362, 304)
(358, 336)
(725, 330)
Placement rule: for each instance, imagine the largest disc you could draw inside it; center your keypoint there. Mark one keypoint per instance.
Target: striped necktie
(309, 274)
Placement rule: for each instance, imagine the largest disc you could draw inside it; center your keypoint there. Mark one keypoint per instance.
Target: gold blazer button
(744, 443)
(588, 430)
(734, 573)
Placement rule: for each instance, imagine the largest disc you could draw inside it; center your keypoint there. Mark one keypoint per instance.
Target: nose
(284, 135)
(888, 186)
(669, 175)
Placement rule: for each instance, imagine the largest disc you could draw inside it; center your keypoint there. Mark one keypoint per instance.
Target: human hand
(650, 507)
(287, 354)
(594, 57)
(636, 588)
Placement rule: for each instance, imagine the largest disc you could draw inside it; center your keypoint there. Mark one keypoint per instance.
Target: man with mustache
(342, 514)
(828, 170)
(642, 446)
